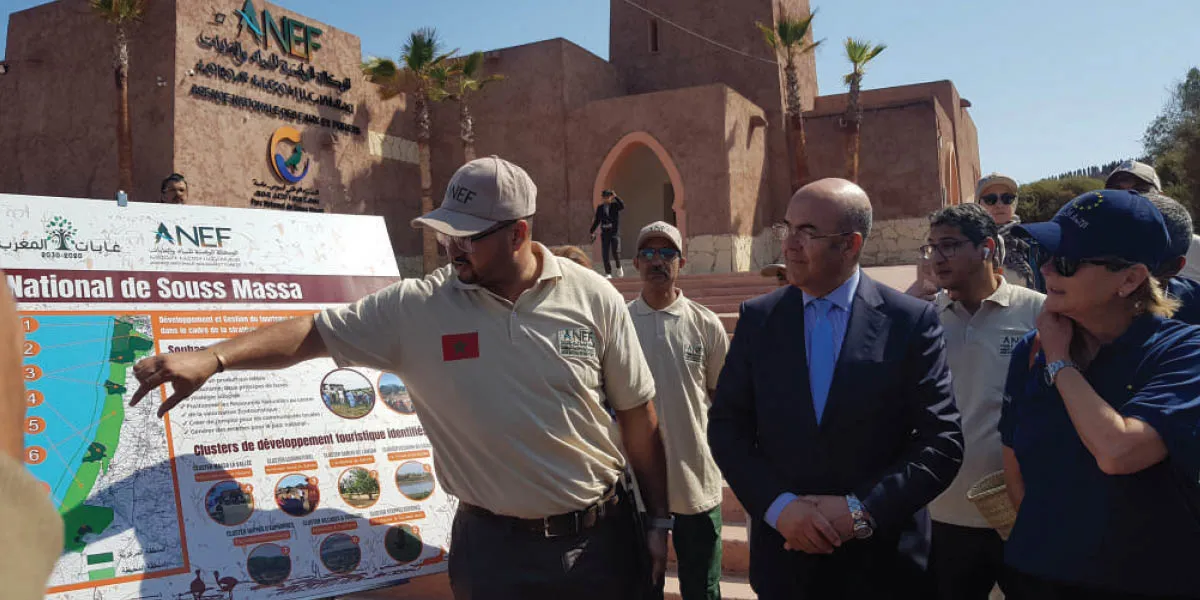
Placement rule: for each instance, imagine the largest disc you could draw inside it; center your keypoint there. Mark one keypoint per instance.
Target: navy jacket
(890, 432)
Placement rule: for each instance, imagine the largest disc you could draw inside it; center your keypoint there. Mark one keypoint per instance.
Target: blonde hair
(1150, 298)
(573, 253)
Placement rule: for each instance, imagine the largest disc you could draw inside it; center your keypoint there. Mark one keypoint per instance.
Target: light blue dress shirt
(841, 299)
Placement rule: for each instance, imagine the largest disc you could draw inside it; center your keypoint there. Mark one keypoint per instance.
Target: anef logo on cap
(482, 193)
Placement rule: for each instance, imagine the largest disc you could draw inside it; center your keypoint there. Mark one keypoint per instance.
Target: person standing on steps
(608, 219)
(685, 345)
(511, 355)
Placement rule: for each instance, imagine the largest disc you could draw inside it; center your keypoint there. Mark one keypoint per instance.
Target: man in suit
(834, 419)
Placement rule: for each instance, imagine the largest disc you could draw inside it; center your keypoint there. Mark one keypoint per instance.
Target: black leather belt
(571, 523)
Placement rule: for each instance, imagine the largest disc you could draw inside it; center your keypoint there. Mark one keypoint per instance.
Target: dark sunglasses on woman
(992, 199)
(1067, 267)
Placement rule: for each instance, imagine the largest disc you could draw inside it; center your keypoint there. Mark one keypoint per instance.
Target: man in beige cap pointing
(685, 345)
(510, 355)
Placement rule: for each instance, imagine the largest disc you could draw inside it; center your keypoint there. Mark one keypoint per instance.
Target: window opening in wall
(654, 35)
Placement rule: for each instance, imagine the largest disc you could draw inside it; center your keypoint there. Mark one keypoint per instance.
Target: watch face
(863, 531)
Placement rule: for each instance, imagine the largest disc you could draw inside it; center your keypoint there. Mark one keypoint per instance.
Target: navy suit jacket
(890, 432)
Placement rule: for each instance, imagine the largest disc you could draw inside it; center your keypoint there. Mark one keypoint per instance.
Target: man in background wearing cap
(608, 219)
(1179, 230)
(685, 345)
(834, 418)
(999, 194)
(510, 354)
(1133, 175)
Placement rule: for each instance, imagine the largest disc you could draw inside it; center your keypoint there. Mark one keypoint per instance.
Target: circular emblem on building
(287, 156)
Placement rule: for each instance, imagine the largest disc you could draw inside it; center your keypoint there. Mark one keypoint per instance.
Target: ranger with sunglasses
(998, 195)
(510, 354)
(984, 317)
(685, 345)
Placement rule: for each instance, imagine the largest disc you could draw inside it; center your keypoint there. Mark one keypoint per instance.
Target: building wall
(688, 123)
(59, 101)
(899, 162)
(524, 119)
(684, 60)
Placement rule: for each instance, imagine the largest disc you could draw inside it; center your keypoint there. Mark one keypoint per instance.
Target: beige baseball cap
(482, 193)
(661, 229)
(1140, 170)
(995, 179)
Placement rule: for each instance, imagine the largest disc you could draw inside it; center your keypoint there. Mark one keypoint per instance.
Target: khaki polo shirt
(978, 348)
(685, 345)
(511, 395)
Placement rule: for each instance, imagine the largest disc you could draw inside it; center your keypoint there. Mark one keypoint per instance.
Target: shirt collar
(1001, 297)
(675, 308)
(843, 295)
(550, 269)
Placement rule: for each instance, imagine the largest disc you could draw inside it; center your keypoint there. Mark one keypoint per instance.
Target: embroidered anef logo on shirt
(460, 346)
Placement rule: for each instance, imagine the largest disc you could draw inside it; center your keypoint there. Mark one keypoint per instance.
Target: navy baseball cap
(1105, 223)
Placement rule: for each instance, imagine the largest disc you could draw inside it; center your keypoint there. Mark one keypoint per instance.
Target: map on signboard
(106, 469)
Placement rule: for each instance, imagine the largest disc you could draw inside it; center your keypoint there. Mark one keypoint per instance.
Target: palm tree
(425, 65)
(789, 40)
(462, 81)
(121, 14)
(860, 52)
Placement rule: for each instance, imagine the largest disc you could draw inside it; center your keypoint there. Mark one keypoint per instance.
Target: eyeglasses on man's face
(992, 199)
(667, 254)
(802, 234)
(466, 244)
(947, 249)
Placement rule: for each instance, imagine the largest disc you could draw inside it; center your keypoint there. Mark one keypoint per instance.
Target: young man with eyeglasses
(510, 354)
(999, 196)
(983, 322)
(685, 345)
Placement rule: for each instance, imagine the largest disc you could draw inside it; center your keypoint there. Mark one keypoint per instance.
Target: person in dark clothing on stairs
(608, 219)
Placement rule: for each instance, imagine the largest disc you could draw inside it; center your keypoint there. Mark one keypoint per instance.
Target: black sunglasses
(992, 199)
(667, 254)
(1067, 267)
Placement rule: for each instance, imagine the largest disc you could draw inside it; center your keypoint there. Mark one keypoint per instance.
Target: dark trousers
(697, 540)
(967, 562)
(491, 560)
(610, 243)
(1029, 587)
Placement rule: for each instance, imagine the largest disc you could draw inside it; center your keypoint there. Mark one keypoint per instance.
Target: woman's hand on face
(1055, 332)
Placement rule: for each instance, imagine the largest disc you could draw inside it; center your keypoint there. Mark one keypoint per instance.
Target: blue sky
(1055, 84)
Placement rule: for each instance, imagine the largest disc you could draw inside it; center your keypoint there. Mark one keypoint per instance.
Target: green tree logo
(60, 231)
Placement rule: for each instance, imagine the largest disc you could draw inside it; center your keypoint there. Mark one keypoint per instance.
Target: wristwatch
(862, 526)
(1053, 368)
(664, 523)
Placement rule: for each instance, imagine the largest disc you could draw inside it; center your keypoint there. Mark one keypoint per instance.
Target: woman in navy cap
(1101, 420)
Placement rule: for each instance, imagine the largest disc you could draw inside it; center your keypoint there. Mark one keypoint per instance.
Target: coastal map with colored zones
(106, 466)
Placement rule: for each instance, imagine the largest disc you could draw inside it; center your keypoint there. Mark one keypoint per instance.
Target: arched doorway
(641, 172)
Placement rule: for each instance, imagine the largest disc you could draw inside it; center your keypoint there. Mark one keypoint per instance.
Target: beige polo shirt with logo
(978, 348)
(510, 395)
(685, 345)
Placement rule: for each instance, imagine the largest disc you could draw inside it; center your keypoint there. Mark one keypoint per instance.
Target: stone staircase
(721, 293)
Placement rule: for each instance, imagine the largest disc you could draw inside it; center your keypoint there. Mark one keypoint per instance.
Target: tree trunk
(853, 128)
(796, 126)
(429, 251)
(467, 126)
(124, 134)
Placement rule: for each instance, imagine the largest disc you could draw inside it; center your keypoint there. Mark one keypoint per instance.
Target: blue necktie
(821, 357)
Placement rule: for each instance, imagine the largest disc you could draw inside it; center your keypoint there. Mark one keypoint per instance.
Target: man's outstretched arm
(276, 346)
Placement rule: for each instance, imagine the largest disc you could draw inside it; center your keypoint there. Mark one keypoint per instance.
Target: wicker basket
(991, 500)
